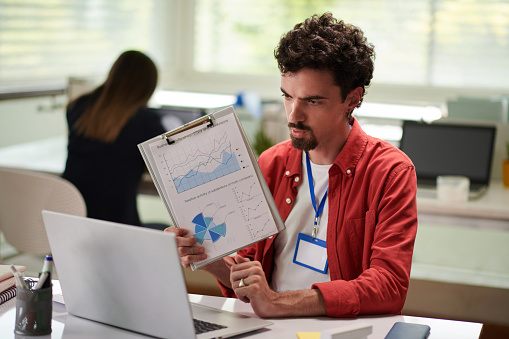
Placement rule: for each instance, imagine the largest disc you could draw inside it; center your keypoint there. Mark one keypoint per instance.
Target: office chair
(23, 195)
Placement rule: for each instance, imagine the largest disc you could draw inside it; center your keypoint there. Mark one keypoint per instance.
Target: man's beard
(304, 144)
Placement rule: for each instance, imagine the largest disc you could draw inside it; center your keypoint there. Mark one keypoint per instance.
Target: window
(448, 47)
(433, 43)
(53, 39)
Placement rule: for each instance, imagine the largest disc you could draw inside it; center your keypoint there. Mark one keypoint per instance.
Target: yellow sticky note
(308, 335)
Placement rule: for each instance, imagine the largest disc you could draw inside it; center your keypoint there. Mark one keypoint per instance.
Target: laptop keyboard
(201, 326)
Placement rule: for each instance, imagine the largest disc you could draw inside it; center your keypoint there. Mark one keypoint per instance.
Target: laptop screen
(447, 149)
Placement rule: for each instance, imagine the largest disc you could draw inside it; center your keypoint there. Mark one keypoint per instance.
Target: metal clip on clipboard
(200, 121)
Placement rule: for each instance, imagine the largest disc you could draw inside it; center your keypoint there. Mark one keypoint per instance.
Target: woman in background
(105, 127)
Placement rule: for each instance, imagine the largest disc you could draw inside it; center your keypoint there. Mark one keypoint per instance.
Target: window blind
(436, 43)
(53, 39)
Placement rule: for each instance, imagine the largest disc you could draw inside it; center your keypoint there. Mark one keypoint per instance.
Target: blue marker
(48, 264)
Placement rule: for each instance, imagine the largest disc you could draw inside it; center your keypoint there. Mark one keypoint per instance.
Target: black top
(107, 175)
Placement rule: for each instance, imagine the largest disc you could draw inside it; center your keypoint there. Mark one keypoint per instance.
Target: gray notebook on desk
(130, 277)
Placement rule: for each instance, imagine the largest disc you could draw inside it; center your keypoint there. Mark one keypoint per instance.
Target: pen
(46, 268)
(18, 277)
(42, 280)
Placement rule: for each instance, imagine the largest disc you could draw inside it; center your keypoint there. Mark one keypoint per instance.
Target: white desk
(47, 155)
(493, 205)
(67, 326)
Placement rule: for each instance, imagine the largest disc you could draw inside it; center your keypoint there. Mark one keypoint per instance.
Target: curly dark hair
(324, 43)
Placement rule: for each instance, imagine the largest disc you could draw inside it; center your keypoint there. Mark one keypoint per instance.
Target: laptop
(130, 277)
(449, 149)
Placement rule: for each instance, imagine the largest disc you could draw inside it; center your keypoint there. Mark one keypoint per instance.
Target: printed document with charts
(208, 178)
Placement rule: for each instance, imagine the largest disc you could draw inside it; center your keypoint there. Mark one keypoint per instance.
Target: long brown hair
(130, 84)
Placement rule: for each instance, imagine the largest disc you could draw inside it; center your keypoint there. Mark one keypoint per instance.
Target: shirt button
(297, 179)
(288, 200)
(287, 172)
(348, 171)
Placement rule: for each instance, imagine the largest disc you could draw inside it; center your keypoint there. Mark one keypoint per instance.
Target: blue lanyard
(318, 211)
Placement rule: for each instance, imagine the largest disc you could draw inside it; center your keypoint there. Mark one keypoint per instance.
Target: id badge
(311, 253)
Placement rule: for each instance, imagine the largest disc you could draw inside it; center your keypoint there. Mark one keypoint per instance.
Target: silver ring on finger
(242, 283)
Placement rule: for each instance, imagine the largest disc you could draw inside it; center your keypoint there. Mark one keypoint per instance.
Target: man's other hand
(254, 288)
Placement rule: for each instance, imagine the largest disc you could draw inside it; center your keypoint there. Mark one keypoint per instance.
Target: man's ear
(353, 98)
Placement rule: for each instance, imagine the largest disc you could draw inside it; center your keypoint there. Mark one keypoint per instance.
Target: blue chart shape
(194, 177)
(206, 229)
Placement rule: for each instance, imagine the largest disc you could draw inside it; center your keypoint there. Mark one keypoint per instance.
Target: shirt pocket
(360, 235)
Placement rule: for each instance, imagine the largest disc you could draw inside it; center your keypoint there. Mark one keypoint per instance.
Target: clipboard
(207, 175)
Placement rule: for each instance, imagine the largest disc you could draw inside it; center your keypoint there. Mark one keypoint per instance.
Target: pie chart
(206, 229)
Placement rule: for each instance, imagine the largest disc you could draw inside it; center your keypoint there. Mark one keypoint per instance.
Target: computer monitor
(449, 149)
(173, 117)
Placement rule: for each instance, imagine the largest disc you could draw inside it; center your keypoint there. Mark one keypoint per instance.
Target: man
(348, 199)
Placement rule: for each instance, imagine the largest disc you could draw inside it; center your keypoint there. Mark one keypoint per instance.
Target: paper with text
(214, 188)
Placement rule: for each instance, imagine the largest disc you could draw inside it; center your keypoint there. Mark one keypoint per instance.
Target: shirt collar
(346, 160)
(354, 146)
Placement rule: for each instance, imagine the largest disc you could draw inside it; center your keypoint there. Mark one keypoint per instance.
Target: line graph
(257, 229)
(256, 218)
(201, 162)
(251, 212)
(242, 196)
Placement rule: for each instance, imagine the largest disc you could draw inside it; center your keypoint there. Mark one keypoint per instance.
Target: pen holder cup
(33, 311)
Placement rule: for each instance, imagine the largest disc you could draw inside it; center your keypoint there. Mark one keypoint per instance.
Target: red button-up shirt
(371, 227)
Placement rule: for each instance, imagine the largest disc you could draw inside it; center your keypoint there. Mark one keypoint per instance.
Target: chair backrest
(23, 196)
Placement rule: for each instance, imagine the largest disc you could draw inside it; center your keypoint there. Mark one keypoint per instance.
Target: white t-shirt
(288, 276)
